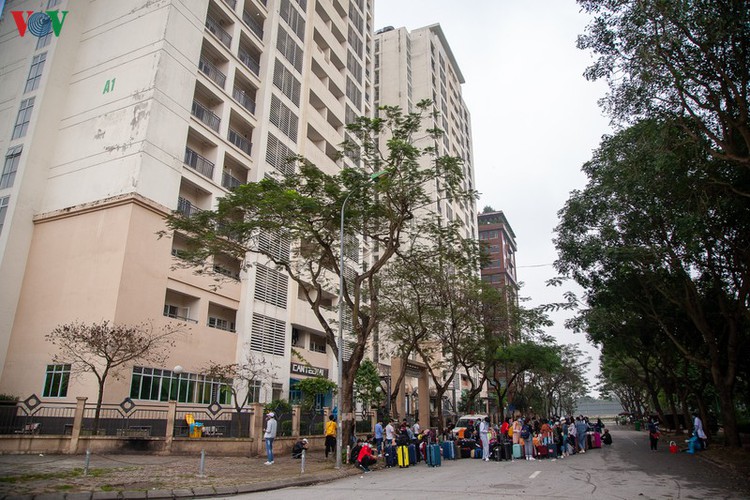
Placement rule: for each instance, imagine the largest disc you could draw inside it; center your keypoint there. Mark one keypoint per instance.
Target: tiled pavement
(61, 477)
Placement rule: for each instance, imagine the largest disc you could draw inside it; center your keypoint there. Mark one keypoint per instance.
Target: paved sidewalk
(61, 477)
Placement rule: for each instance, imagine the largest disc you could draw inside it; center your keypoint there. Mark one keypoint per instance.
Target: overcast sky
(535, 119)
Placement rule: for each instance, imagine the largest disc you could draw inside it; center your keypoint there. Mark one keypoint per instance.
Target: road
(626, 470)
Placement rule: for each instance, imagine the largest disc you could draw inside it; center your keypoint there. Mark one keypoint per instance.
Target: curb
(200, 492)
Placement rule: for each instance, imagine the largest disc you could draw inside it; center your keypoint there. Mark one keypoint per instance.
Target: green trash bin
(637, 425)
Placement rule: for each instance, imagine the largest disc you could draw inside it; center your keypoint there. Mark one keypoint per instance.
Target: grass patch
(40, 476)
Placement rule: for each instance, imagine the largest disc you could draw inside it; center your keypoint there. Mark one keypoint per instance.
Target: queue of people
(531, 438)
(520, 438)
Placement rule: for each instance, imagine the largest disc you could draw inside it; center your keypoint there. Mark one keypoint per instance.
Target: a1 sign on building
(39, 24)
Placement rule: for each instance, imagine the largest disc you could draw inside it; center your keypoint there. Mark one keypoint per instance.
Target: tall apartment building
(411, 66)
(139, 108)
(499, 242)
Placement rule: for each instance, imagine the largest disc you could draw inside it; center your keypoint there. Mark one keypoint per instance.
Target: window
(35, 72)
(291, 50)
(278, 247)
(268, 335)
(221, 324)
(317, 344)
(253, 391)
(153, 384)
(293, 18)
(23, 118)
(271, 286)
(488, 235)
(56, 381)
(279, 156)
(4, 202)
(43, 41)
(286, 82)
(10, 167)
(353, 92)
(353, 65)
(277, 390)
(283, 118)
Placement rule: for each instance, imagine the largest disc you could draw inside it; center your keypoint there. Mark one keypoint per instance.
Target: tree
(239, 378)
(366, 385)
(312, 389)
(104, 348)
(654, 229)
(686, 60)
(304, 208)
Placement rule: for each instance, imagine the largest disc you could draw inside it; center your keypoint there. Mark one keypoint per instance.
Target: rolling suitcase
(449, 451)
(508, 450)
(589, 443)
(517, 451)
(402, 453)
(433, 455)
(476, 453)
(466, 446)
(413, 455)
(552, 450)
(542, 451)
(390, 456)
(497, 453)
(597, 440)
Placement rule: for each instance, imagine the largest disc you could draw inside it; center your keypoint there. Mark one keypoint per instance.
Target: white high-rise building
(138, 108)
(411, 66)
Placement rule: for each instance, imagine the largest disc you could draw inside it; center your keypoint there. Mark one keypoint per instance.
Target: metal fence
(130, 419)
(32, 416)
(215, 421)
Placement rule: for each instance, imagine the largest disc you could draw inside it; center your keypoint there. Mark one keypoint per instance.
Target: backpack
(525, 433)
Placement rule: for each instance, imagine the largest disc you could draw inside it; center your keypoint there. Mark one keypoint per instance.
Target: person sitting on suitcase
(298, 448)
(354, 454)
(365, 458)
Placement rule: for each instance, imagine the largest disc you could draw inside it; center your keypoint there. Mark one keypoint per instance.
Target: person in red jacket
(365, 458)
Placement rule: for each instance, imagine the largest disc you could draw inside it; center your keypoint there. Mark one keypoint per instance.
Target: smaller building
(499, 242)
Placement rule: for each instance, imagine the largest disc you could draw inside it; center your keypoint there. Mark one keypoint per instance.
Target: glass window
(43, 41)
(164, 385)
(10, 167)
(35, 72)
(56, 381)
(23, 118)
(276, 391)
(317, 344)
(4, 202)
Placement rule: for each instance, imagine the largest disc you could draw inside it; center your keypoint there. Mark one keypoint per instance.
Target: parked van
(463, 422)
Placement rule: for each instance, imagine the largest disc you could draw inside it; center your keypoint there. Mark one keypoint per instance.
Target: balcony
(254, 25)
(213, 26)
(199, 163)
(205, 115)
(247, 60)
(245, 100)
(186, 208)
(240, 141)
(229, 181)
(212, 72)
(231, 3)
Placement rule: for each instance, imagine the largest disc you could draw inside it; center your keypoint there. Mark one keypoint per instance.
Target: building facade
(411, 66)
(499, 241)
(136, 109)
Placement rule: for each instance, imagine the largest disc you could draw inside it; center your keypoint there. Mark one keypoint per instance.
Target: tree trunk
(729, 416)
(673, 410)
(99, 398)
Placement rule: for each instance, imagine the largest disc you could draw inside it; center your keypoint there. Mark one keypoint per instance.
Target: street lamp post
(340, 374)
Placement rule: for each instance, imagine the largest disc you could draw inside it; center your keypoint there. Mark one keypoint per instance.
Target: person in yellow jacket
(330, 433)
